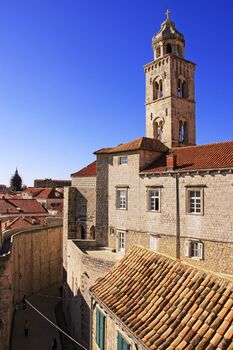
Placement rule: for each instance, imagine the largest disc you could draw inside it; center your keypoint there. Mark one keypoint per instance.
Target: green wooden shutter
(122, 343)
(100, 329)
(119, 342)
(97, 326)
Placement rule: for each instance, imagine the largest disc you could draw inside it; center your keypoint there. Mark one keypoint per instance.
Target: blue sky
(72, 79)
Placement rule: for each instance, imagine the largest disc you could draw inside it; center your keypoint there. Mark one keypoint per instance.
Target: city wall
(33, 263)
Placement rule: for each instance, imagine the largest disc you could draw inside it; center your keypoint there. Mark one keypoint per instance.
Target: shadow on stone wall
(31, 262)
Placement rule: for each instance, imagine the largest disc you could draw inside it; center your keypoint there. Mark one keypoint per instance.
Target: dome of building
(16, 182)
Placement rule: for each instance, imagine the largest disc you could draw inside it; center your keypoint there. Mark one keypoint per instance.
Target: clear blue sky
(72, 79)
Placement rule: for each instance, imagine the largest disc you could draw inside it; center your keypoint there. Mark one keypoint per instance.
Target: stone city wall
(33, 263)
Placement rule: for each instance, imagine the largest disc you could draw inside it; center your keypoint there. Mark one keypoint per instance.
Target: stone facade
(84, 206)
(83, 270)
(172, 224)
(42, 247)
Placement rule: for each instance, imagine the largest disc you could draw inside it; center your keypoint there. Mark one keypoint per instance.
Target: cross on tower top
(167, 13)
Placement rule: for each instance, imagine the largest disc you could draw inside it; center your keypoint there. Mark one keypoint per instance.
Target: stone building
(51, 183)
(162, 192)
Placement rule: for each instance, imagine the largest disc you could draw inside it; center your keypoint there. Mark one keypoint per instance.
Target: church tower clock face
(170, 99)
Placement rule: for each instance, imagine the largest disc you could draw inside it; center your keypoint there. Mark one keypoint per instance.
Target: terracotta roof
(16, 206)
(89, 170)
(166, 304)
(142, 143)
(43, 193)
(25, 221)
(210, 156)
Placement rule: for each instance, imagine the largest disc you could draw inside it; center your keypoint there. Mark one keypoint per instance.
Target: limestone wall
(213, 227)
(80, 208)
(33, 264)
(82, 272)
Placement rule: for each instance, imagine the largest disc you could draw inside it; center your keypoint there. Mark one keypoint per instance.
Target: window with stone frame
(194, 201)
(194, 249)
(121, 198)
(154, 199)
(123, 160)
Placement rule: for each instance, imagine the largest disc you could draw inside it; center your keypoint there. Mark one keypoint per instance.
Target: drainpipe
(177, 217)
(171, 166)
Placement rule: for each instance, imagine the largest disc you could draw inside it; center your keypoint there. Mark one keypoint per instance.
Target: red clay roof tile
(16, 206)
(140, 291)
(142, 143)
(89, 170)
(210, 156)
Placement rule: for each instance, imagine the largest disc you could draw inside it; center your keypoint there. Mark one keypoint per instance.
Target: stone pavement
(41, 332)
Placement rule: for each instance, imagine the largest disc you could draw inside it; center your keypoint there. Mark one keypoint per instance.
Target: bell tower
(170, 100)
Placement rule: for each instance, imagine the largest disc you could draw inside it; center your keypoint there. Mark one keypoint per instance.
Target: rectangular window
(153, 242)
(122, 344)
(100, 329)
(121, 241)
(123, 160)
(154, 200)
(193, 249)
(121, 199)
(195, 201)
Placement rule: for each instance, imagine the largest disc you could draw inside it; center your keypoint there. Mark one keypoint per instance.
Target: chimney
(171, 161)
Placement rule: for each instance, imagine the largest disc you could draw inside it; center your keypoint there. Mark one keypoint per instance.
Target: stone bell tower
(170, 100)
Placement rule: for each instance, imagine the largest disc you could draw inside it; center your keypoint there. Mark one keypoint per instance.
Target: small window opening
(158, 51)
(169, 48)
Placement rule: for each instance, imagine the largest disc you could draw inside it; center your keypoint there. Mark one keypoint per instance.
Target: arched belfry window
(158, 51)
(157, 89)
(183, 132)
(160, 88)
(168, 48)
(182, 88)
(158, 130)
(179, 88)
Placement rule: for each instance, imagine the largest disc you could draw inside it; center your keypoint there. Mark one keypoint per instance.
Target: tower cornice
(148, 65)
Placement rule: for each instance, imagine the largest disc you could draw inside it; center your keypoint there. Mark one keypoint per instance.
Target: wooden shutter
(97, 327)
(122, 343)
(200, 250)
(186, 248)
(119, 341)
(100, 329)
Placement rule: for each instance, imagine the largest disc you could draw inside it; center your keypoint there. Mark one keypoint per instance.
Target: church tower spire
(170, 100)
